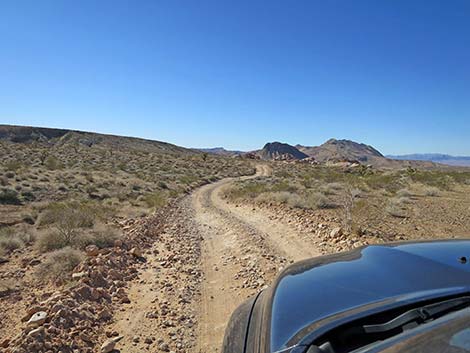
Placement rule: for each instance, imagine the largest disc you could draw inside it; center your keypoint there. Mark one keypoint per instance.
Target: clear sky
(394, 74)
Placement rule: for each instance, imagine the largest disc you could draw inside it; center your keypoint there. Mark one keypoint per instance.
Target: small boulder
(92, 250)
(5, 343)
(136, 252)
(37, 319)
(109, 344)
(79, 275)
(36, 333)
(336, 232)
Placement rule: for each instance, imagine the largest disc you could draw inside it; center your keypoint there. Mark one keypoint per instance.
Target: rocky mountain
(280, 151)
(220, 151)
(61, 137)
(462, 161)
(337, 152)
(342, 150)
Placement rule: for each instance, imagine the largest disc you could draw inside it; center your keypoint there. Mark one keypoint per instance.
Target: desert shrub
(389, 181)
(26, 235)
(70, 221)
(155, 200)
(7, 244)
(162, 185)
(247, 190)
(6, 286)
(331, 188)
(439, 179)
(102, 238)
(320, 201)
(396, 208)
(305, 201)
(27, 195)
(3, 181)
(404, 193)
(282, 185)
(12, 239)
(52, 163)
(73, 213)
(13, 166)
(59, 264)
(432, 191)
(9, 197)
(403, 200)
(54, 240)
(284, 197)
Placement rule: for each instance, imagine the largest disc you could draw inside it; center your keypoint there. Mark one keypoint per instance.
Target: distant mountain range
(220, 151)
(463, 161)
(336, 151)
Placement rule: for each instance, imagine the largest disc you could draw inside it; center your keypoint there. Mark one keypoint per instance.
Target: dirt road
(242, 251)
(235, 251)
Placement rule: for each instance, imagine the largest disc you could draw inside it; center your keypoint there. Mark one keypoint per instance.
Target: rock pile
(74, 318)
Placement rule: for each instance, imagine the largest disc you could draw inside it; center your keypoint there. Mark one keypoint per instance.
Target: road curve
(242, 251)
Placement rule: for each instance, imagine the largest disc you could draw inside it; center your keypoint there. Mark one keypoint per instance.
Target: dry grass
(432, 191)
(15, 238)
(59, 265)
(368, 200)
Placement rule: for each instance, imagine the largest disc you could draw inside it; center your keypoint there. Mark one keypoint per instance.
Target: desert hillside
(117, 242)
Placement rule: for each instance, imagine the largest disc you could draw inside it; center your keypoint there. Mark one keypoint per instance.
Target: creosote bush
(75, 224)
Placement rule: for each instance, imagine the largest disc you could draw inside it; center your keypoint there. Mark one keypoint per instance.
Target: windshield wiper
(421, 314)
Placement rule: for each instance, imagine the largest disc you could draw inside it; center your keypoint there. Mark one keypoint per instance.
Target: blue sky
(393, 74)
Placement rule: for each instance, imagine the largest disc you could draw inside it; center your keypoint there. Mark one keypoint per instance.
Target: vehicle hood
(313, 296)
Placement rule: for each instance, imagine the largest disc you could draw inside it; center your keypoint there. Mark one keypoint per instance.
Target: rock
(95, 294)
(37, 319)
(124, 299)
(336, 232)
(164, 347)
(83, 292)
(136, 252)
(36, 333)
(109, 345)
(32, 310)
(151, 315)
(34, 262)
(105, 315)
(79, 275)
(92, 250)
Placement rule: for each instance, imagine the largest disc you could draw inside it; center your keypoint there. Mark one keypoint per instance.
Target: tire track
(242, 251)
